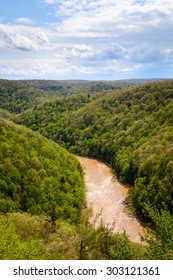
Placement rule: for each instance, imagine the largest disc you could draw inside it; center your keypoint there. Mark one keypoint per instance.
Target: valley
(126, 125)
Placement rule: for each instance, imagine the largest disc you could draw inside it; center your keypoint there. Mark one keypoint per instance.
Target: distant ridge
(141, 81)
(89, 85)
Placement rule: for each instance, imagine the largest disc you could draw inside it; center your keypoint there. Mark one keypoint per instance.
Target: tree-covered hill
(41, 184)
(131, 129)
(38, 176)
(18, 96)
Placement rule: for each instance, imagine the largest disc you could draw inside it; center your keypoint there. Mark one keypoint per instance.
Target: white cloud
(101, 17)
(103, 37)
(13, 37)
(43, 38)
(22, 38)
(92, 56)
(81, 51)
(25, 20)
(37, 67)
(49, 1)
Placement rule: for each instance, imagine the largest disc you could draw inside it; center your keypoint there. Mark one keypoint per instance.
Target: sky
(86, 39)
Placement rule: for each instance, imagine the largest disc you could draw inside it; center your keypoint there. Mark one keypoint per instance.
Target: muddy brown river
(106, 196)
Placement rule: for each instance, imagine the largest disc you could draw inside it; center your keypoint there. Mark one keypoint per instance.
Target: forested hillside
(41, 184)
(130, 129)
(18, 96)
(37, 176)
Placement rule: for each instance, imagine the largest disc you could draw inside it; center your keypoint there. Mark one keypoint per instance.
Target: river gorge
(106, 196)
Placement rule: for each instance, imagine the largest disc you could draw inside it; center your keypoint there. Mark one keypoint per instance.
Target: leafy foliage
(130, 129)
(37, 175)
(34, 237)
(160, 239)
(18, 96)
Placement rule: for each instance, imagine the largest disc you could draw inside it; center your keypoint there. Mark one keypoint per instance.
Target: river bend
(105, 195)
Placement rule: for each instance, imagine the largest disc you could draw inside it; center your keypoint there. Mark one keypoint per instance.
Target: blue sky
(86, 39)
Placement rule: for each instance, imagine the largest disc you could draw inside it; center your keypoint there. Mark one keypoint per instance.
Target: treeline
(34, 237)
(131, 129)
(38, 176)
(18, 96)
(74, 86)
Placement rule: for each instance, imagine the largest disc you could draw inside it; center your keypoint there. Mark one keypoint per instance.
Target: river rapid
(106, 196)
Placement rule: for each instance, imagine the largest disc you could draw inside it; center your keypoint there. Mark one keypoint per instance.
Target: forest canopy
(131, 129)
(128, 125)
(38, 176)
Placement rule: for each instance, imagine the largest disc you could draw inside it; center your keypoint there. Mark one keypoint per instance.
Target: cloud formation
(14, 38)
(22, 38)
(105, 37)
(24, 20)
